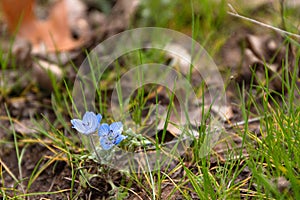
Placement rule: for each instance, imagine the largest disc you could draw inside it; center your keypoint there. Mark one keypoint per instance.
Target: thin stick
(241, 123)
(235, 14)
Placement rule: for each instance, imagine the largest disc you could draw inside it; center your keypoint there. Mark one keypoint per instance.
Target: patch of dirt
(51, 179)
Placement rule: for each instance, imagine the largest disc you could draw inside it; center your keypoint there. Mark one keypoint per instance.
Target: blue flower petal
(105, 143)
(89, 123)
(88, 116)
(110, 135)
(116, 127)
(103, 130)
(77, 124)
(99, 117)
(119, 139)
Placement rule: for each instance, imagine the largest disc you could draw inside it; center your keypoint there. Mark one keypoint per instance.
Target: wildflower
(111, 135)
(89, 123)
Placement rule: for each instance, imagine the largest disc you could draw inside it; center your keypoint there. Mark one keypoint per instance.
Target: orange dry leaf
(51, 35)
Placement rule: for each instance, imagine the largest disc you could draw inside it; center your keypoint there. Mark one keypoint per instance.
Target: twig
(234, 13)
(241, 123)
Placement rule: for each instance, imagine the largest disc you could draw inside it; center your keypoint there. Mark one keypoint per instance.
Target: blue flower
(89, 123)
(111, 135)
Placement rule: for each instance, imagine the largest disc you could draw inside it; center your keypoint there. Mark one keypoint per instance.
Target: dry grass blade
(8, 170)
(234, 13)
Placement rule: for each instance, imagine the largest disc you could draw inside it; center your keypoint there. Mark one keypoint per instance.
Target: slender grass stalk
(19, 156)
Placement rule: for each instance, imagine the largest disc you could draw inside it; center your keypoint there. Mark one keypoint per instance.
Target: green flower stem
(94, 147)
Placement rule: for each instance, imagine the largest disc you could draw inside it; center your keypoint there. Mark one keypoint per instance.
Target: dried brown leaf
(52, 34)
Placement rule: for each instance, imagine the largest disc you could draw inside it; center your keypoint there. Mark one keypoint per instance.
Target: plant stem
(94, 148)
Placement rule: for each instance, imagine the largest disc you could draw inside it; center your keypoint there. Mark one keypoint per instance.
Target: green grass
(270, 154)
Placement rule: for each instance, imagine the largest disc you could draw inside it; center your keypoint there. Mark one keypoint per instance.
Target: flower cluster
(110, 135)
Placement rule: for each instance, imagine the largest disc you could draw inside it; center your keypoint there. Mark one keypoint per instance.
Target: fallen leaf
(176, 60)
(43, 71)
(119, 18)
(77, 18)
(24, 126)
(260, 54)
(283, 184)
(50, 35)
